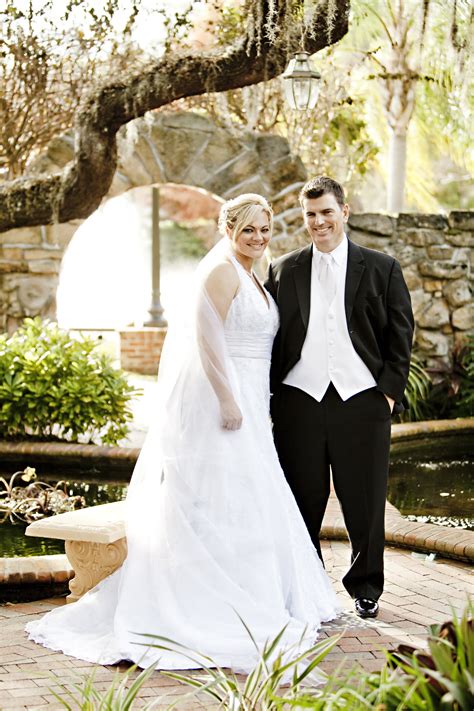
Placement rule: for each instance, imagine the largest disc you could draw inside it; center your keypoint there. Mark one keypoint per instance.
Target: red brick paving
(418, 593)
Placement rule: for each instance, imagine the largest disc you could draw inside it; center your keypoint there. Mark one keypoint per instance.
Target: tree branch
(78, 189)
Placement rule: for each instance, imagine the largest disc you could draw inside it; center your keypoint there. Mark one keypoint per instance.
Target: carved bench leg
(92, 562)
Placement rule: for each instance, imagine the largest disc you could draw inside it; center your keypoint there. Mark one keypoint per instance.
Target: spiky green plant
(411, 679)
(417, 390)
(120, 696)
(262, 688)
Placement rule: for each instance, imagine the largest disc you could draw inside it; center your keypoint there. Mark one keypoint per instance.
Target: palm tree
(412, 44)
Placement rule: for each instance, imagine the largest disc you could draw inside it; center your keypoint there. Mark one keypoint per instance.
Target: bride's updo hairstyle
(239, 212)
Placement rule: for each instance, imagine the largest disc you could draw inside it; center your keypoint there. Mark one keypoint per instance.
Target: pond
(430, 481)
(13, 542)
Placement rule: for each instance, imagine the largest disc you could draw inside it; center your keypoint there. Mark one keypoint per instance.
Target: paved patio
(418, 592)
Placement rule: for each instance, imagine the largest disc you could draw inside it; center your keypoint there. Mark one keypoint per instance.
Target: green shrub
(452, 392)
(53, 386)
(444, 673)
(465, 401)
(120, 696)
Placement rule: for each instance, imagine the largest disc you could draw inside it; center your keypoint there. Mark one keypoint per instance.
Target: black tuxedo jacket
(378, 312)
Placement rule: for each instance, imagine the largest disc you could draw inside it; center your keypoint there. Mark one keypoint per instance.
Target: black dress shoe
(365, 607)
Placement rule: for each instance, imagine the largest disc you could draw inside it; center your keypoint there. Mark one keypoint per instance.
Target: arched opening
(105, 279)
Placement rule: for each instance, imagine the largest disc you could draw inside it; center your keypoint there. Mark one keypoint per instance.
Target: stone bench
(94, 539)
(96, 545)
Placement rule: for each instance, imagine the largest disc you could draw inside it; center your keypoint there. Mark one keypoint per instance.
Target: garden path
(418, 592)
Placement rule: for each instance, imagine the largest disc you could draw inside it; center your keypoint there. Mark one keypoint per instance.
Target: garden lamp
(301, 82)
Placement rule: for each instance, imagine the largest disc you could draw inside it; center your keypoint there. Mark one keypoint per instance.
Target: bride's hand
(231, 417)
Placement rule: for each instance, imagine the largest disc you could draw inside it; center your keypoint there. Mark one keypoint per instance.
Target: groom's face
(325, 219)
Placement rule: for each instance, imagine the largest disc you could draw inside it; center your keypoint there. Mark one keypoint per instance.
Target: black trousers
(353, 439)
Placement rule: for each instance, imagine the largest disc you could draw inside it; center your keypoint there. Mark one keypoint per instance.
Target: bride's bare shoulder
(223, 274)
(221, 286)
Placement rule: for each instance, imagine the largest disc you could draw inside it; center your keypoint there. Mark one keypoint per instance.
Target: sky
(149, 26)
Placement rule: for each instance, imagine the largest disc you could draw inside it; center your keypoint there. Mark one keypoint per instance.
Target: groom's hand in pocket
(231, 417)
(390, 401)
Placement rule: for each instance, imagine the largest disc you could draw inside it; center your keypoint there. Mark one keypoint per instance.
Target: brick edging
(400, 432)
(48, 573)
(453, 543)
(427, 428)
(67, 449)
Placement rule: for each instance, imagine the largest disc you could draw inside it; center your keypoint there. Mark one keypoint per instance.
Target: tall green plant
(54, 386)
(120, 696)
(411, 679)
(447, 668)
(262, 688)
(417, 391)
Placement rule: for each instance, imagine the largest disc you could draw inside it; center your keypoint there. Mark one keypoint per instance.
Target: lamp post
(156, 310)
(301, 82)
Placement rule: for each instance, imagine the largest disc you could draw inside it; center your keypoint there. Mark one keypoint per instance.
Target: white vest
(328, 354)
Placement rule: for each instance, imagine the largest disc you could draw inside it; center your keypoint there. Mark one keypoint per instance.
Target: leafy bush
(443, 392)
(120, 695)
(465, 401)
(53, 386)
(452, 392)
(445, 672)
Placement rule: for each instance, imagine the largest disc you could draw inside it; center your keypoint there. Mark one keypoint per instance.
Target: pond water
(429, 482)
(433, 481)
(13, 542)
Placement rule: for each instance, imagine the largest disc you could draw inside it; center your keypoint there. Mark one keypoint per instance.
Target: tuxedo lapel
(355, 269)
(302, 277)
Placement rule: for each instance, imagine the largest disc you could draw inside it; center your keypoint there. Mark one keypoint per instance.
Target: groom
(339, 368)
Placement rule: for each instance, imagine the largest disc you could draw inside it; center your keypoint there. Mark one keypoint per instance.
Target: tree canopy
(257, 50)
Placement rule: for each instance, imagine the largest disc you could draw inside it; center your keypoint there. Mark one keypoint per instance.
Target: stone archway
(180, 147)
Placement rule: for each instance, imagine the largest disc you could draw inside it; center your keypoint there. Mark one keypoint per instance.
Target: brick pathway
(418, 593)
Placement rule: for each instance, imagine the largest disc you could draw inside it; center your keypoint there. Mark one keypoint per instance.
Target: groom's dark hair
(322, 185)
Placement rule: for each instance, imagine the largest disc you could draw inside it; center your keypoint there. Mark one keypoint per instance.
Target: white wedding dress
(216, 537)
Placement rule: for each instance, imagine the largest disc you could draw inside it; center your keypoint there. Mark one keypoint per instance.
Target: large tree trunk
(397, 171)
(78, 190)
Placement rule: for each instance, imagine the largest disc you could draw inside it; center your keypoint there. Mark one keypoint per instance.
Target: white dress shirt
(328, 354)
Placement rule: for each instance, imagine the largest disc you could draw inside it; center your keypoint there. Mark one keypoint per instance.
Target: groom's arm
(269, 283)
(399, 337)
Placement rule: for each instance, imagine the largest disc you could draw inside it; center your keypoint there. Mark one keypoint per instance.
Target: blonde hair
(239, 212)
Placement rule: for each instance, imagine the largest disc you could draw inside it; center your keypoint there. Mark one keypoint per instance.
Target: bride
(214, 535)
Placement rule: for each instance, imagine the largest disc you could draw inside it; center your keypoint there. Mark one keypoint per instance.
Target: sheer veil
(194, 369)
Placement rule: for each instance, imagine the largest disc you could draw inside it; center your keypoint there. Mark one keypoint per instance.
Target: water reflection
(14, 542)
(429, 487)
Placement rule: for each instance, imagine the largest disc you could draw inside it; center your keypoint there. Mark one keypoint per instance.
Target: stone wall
(435, 252)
